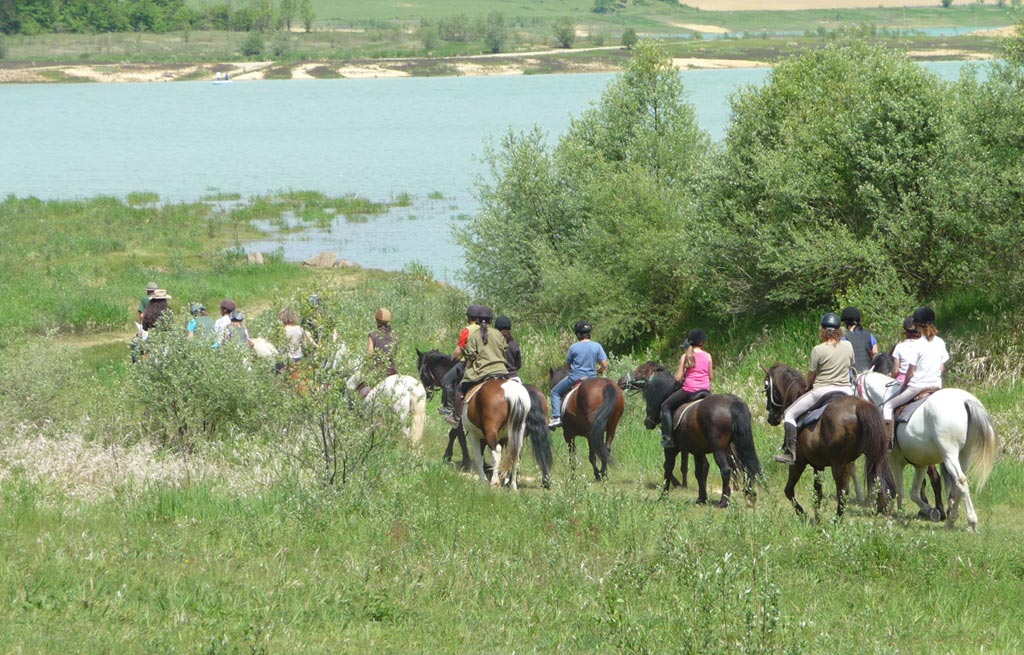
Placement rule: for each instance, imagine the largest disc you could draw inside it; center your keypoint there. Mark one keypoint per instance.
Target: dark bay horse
(848, 428)
(719, 425)
(432, 366)
(499, 414)
(593, 411)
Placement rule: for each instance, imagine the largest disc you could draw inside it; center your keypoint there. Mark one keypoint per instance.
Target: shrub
(281, 45)
(629, 38)
(252, 44)
(565, 31)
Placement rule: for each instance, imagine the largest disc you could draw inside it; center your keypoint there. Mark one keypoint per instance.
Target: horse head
(782, 385)
(432, 365)
(556, 375)
(637, 378)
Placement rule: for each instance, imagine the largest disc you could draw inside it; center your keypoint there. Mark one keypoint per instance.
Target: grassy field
(235, 545)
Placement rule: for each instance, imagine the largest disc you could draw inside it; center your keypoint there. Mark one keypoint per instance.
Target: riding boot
(666, 430)
(446, 401)
(788, 454)
(456, 416)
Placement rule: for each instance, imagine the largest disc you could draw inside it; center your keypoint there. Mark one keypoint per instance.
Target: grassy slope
(419, 558)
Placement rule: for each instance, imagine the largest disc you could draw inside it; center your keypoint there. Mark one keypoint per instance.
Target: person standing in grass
(156, 309)
(694, 374)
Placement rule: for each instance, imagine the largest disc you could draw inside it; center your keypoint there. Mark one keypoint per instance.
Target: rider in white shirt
(926, 362)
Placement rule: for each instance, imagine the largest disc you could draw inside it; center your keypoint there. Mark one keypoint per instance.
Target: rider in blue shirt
(586, 359)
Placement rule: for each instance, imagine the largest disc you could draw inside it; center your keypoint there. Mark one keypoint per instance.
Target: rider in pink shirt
(695, 372)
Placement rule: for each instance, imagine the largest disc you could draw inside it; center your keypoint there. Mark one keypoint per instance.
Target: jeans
(557, 392)
(450, 382)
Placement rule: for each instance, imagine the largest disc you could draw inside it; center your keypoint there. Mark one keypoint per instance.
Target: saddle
(811, 416)
(571, 391)
(685, 407)
(903, 413)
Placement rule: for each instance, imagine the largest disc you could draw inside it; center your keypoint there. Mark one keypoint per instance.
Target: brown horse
(498, 414)
(593, 410)
(718, 424)
(848, 428)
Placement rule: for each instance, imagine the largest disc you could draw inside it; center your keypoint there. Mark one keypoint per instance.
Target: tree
(835, 175)
(597, 225)
(287, 10)
(565, 31)
(252, 44)
(306, 12)
(495, 31)
(629, 38)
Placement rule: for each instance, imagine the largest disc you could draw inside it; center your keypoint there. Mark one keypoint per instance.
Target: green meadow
(128, 527)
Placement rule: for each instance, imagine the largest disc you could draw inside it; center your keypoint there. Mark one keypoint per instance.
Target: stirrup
(555, 423)
(666, 441)
(784, 457)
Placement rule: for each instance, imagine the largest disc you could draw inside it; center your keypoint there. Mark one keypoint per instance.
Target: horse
(718, 424)
(499, 414)
(951, 427)
(883, 363)
(848, 428)
(407, 399)
(593, 409)
(432, 366)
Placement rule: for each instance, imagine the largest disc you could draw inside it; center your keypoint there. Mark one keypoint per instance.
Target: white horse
(406, 397)
(951, 428)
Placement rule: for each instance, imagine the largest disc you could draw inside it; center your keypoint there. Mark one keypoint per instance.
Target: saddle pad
(569, 393)
(472, 392)
(907, 411)
(685, 408)
(813, 414)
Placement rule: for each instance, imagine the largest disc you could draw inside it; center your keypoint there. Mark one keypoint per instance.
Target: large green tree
(835, 182)
(598, 225)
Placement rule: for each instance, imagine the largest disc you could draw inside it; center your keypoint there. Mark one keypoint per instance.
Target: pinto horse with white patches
(500, 414)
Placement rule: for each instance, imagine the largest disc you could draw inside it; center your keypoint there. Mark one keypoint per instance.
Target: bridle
(769, 389)
(634, 384)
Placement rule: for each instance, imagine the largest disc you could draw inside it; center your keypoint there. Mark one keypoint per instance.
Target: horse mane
(882, 363)
(790, 382)
(435, 356)
(659, 385)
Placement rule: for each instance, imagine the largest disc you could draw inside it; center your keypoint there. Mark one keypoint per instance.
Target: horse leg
(684, 470)
(593, 462)
(818, 494)
(701, 466)
(840, 475)
(858, 491)
(495, 460)
(795, 471)
(670, 463)
(897, 476)
(936, 480)
(915, 493)
(960, 488)
(725, 467)
(477, 457)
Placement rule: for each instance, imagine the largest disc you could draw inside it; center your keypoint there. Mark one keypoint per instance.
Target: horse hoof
(722, 504)
(701, 501)
(935, 515)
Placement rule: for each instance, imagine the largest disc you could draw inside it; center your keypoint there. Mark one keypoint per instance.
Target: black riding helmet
(696, 337)
(831, 320)
(924, 316)
(473, 312)
(485, 313)
(851, 315)
(503, 323)
(582, 327)
(909, 325)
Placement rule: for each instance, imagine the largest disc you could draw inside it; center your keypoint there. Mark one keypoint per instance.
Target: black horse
(432, 365)
(719, 425)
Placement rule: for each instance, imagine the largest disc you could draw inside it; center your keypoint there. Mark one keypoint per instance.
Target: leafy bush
(252, 44)
(565, 31)
(3, 46)
(495, 32)
(629, 38)
(281, 45)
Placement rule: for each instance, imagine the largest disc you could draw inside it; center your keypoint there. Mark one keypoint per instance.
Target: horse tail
(518, 408)
(743, 439)
(875, 444)
(540, 435)
(981, 441)
(418, 410)
(597, 429)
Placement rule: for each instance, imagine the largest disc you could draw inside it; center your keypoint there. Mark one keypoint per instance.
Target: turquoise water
(375, 137)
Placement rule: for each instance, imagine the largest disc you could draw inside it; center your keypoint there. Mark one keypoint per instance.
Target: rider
(903, 351)
(586, 359)
(694, 374)
(236, 332)
(382, 342)
(829, 372)
(865, 345)
(200, 324)
(296, 337)
(926, 363)
(450, 381)
(513, 356)
(485, 356)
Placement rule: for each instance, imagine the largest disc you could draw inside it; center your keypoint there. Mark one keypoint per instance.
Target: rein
(635, 384)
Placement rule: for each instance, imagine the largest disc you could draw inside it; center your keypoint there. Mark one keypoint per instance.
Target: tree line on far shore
(851, 176)
(31, 17)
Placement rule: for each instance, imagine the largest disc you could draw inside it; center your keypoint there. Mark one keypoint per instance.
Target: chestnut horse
(593, 410)
(848, 428)
(718, 424)
(498, 414)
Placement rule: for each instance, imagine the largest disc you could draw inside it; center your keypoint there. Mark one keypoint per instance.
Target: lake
(373, 137)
